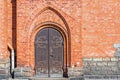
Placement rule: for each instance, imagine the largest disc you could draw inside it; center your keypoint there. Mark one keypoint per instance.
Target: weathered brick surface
(3, 28)
(100, 27)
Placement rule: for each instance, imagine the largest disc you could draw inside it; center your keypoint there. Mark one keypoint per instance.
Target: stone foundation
(101, 66)
(75, 71)
(26, 72)
(102, 77)
(4, 68)
(23, 72)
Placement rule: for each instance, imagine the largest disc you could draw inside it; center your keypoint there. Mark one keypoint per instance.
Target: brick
(3, 27)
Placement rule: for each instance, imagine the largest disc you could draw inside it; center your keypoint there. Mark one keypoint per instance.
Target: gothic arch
(32, 19)
(64, 30)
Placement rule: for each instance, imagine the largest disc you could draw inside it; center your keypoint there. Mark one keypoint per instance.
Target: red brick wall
(9, 22)
(3, 29)
(100, 27)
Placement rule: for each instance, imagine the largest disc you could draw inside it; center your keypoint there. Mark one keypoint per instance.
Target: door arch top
(41, 11)
(49, 24)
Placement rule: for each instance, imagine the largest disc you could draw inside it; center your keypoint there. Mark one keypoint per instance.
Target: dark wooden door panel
(49, 53)
(41, 53)
(56, 53)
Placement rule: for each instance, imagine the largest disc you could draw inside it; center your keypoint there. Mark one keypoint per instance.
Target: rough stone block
(4, 68)
(116, 45)
(4, 71)
(106, 59)
(102, 64)
(77, 71)
(22, 72)
(87, 59)
(97, 59)
(4, 76)
(109, 66)
(3, 61)
(77, 78)
(114, 59)
(112, 63)
(117, 54)
(2, 65)
(118, 64)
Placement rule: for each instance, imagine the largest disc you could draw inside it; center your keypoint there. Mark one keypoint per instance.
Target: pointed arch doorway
(49, 53)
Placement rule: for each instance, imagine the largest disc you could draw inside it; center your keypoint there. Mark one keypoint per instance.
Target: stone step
(48, 79)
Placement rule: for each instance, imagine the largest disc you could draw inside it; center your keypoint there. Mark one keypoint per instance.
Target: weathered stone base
(49, 79)
(102, 77)
(77, 78)
(23, 72)
(75, 71)
(101, 66)
(5, 68)
(26, 72)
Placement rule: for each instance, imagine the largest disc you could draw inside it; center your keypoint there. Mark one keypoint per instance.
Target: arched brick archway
(65, 35)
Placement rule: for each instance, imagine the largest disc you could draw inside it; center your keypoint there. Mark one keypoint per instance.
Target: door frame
(46, 32)
(64, 32)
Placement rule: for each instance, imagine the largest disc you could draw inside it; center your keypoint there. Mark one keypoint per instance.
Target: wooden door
(49, 50)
